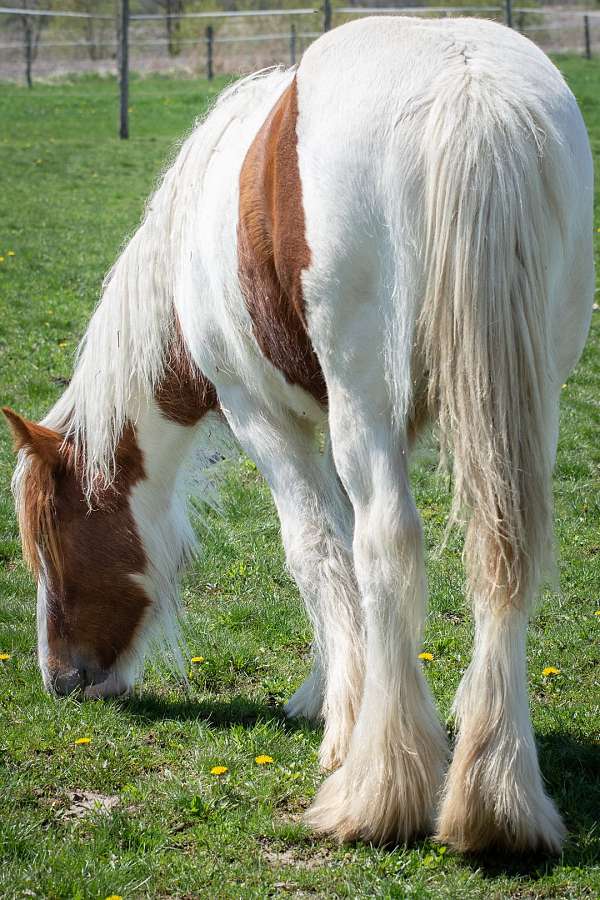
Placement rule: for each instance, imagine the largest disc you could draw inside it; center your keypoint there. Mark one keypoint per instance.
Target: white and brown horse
(398, 231)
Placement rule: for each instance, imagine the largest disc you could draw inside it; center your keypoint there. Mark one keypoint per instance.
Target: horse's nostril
(68, 681)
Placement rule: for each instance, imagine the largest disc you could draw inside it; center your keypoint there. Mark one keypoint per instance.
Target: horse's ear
(42, 442)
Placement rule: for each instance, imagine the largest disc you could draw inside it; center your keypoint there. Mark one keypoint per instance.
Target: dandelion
(11, 253)
(197, 659)
(263, 760)
(597, 613)
(4, 656)
(219, 770)
(427, 656)
(83, 740)
(550, 670)
(114, 897)
(1, 259)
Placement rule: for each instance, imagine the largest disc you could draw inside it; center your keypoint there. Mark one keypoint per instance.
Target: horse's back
(377, 71)
(366, 90)
(368, 93)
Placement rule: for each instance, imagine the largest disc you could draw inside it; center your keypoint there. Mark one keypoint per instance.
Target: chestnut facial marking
(95, 562)
(83, 558)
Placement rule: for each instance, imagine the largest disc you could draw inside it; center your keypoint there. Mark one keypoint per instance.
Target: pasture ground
(135, 811)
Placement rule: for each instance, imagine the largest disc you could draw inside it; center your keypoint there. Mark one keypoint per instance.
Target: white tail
(484, 328)
(492, 218)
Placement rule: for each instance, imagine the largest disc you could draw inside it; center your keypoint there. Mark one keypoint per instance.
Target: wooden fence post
(586, 36)
(508, 13)
(28, 35)
(292, 44)
(124, 70)
(327, 15)
(210, 39)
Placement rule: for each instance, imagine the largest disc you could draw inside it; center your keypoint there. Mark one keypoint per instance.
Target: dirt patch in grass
(85, 803)
(308, 859)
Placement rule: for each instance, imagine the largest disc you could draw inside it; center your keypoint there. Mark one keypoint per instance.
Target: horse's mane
(122, 356)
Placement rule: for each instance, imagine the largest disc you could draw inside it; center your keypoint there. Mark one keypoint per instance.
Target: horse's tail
(483, 327)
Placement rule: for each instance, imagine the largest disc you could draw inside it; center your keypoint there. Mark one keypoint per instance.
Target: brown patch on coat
(272, 247)
(184, 395)
(94, 606)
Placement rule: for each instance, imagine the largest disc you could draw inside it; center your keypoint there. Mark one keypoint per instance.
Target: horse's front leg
(316, 527)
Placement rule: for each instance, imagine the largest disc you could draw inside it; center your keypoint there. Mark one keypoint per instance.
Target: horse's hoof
(510, 819)
(377, 804)
(307, 702)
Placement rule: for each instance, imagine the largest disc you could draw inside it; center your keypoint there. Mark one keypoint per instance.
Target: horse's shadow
(239, 710)
(571, 770)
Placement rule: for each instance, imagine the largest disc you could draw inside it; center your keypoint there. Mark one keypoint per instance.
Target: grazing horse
(396, 232)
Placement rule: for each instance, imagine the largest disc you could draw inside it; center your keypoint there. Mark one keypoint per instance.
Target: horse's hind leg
(387, 788)
(316, 527)
(494, 794)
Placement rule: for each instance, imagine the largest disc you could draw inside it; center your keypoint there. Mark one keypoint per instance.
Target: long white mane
(121, 358)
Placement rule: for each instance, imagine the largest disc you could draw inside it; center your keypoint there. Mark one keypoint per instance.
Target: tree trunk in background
(173, 8)
(32, 27)
(90, 29)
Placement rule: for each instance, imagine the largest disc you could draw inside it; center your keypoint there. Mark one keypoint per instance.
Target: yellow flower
(197, 659)
(114, 897)
(263, 760)
(219, 770)
(1, 259)
(550, 670)
(597, 613)
(4, 655)
(11, 253)
(427, 656)
(83, 740)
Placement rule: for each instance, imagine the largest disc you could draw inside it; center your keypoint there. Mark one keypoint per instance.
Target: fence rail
(233, 14)
(54, 13)
(132, 32)
(411, 10)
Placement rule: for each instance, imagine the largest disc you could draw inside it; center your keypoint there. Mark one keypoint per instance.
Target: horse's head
(88, 560)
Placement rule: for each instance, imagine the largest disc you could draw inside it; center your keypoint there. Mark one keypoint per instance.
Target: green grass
(71, 192)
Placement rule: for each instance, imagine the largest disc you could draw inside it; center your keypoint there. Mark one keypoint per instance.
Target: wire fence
(41, 42)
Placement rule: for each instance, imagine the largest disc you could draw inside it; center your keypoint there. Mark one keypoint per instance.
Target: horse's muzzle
(67, 682)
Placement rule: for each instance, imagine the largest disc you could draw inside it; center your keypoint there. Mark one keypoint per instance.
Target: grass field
(135, 811)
